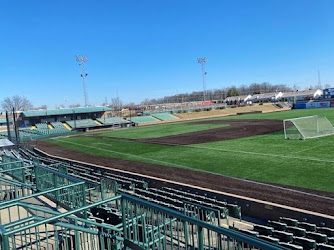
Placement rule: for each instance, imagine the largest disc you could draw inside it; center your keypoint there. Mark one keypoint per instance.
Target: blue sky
(148, 48)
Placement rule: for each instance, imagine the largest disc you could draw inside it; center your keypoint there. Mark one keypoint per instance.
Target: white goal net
(307, 127)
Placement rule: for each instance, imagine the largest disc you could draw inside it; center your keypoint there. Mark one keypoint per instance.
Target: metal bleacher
(112, 121)
(144, 119)
(59, 127)
(164, 116)
(83, 123)
(41, 126)
(85, 207)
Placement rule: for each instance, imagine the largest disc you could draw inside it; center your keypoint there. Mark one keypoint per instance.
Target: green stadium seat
(318, 237)
(263, 230)
(83, 123)
(249, 232)
(280, 226)
(283, 236)
(289, 221)
(304, 242)
(308, 226)
(291, 246)
(323, 246)
(325, 230)
(300, 232)
(269, 238)
(143, 119)
(112, 121)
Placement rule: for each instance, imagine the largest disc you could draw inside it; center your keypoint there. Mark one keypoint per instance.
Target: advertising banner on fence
(311, 105)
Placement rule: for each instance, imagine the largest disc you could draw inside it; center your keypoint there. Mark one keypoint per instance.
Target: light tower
(202, 61)
(82, 59)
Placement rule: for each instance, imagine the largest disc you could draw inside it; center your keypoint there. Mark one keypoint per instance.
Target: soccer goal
(307, 127)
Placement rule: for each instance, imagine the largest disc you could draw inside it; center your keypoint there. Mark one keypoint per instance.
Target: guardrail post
(76, 237)
(200, 238)
(186, 234)
(103, 188)
(23, 178)
(125, 233)
(84, 199)
(55, 184)
(4, 243)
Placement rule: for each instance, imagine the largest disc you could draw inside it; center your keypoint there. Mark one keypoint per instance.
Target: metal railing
(28, 225)
(152, 226)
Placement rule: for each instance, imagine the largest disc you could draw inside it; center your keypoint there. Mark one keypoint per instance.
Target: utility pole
(295, 90)
(8, 129)
(202, 61)
(319, 82)
(82, 59)
(16, 130)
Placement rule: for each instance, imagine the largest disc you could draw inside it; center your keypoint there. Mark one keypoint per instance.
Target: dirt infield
(236, 129)
(311, 200)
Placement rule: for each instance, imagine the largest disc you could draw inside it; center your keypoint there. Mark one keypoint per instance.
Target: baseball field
(247, 146)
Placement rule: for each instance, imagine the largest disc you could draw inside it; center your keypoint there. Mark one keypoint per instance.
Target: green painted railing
(24, 225)
(40, 228)
(163, 228)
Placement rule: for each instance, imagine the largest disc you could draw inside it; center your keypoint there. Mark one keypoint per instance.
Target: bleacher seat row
(287, 232)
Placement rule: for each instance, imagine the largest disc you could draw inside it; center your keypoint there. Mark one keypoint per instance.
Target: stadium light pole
(82, 59)
(202, 61)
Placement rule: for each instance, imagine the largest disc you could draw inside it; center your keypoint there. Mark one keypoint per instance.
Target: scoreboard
(328, 93)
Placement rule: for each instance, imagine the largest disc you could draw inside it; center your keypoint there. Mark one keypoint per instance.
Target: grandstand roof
(48, 112)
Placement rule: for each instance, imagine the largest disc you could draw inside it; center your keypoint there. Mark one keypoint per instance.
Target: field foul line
(181, 166)
(261, 154)
(100, 143)
(305, 149)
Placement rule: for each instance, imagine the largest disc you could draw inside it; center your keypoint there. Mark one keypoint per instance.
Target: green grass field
(268, 158)
(160, 130)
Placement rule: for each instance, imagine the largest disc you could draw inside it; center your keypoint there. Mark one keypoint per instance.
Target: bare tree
(116, 103)
(17, 102)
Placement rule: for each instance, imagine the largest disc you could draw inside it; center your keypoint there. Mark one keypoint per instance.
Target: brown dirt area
(236, 129)
(208, 180)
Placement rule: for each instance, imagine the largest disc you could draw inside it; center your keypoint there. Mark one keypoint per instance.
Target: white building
(239, 99)
(301, 95)
(266, 97)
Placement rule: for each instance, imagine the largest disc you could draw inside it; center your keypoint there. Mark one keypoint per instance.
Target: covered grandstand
(32, 117)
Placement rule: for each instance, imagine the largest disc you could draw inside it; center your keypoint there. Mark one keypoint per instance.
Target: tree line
(22, 103)
(220, 94)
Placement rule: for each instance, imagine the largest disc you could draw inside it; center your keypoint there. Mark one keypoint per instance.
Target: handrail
(62, 215)
(220, 230)
(40, 193)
